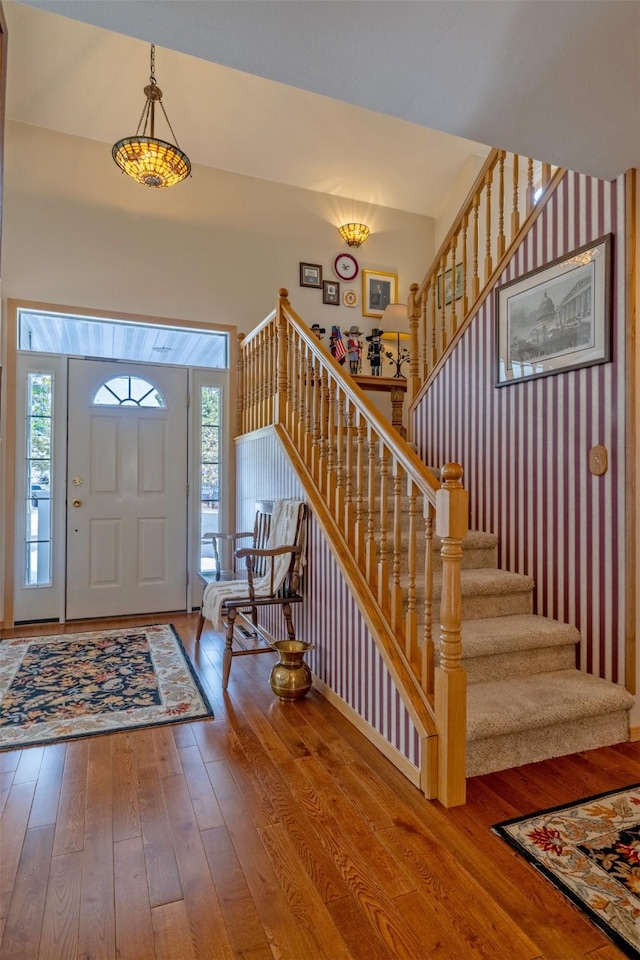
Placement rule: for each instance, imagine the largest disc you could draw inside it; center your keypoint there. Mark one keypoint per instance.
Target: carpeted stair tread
(503, 707)
(474, 540)
(487, 582)
(499, 635)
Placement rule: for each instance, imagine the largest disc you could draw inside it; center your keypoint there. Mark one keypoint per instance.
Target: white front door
(126, 489)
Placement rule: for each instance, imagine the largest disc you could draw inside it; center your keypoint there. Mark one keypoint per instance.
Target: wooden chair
(272, 579)
(259, 537)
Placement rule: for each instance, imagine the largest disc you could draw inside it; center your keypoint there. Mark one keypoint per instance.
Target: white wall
(215, 248)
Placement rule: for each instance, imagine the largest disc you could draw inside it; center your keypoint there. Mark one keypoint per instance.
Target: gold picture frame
(379, 289)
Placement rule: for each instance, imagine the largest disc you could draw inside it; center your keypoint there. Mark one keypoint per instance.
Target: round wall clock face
(346, 266)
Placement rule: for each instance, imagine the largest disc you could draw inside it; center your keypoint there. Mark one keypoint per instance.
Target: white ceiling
(558, 80)
(86, 81)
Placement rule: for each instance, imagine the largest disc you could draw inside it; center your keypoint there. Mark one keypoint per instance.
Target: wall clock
(346, 266)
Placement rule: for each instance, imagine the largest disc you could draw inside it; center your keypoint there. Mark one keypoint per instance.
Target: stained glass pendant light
(156, 163)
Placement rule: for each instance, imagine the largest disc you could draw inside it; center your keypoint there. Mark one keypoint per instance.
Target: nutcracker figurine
(374, 354)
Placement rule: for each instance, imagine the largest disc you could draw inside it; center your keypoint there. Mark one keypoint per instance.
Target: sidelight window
(38, 479)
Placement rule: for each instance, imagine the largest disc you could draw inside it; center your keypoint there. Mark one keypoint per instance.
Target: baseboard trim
(364, 727)
(634, 733)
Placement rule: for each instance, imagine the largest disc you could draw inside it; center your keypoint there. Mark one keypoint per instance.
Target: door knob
(77, 503)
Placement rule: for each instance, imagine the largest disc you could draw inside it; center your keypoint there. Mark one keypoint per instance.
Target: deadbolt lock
(77, 481)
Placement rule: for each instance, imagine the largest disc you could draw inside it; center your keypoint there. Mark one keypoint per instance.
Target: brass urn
(291, 677)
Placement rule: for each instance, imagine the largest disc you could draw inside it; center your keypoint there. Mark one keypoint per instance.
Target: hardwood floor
(273, 831)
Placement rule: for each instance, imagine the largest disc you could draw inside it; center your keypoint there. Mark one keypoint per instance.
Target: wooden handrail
(367, 478)
(489, 222)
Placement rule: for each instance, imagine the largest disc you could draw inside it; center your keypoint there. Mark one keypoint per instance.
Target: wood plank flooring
(273, 831)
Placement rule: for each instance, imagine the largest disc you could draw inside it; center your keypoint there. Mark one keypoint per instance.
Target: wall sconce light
(144, 158)
(354, 233)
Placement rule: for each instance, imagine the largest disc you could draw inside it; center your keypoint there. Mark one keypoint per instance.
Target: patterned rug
(80, 684)
(590, 850)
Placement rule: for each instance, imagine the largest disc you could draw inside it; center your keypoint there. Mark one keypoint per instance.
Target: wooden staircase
(526, 701)
(486, 683)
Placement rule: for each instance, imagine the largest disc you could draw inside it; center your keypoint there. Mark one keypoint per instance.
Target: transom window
(129, 391)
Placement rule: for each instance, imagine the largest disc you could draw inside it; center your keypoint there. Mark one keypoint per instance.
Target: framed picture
(378, 291)
(310, 275)
(350, 298)
(331, 292)
(557, 317)
(448, 287)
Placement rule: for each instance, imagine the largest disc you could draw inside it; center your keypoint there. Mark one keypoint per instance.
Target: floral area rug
(590, 850)
(79, 684)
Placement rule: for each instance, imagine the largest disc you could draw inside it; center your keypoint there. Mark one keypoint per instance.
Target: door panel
(127, 475)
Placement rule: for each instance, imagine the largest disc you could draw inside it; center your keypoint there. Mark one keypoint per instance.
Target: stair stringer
(416, 702)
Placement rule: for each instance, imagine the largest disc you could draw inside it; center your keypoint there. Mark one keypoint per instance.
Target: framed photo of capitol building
(556, 318)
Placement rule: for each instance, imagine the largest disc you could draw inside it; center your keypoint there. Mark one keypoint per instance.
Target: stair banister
(335, 432)
(436, 317)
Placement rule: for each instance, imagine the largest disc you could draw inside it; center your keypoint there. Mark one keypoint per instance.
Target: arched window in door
(125, 390)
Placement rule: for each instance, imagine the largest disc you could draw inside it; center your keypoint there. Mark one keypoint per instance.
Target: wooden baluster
(316, 446)
(280, 406)
(530, 187)
(252, 384)
(427, 649)
(414, 342)
(299, 368)
(291, 385)
(515, 209)
(411, 620)
(361, 515)
(425, 337)
(270, 376)
(349, 493)
(434, 322)
(338, 505)
(488, 262)
(545, 176)
(442, 339)
(308, 406)
(383, 562)
(331, 443)
(450, 678)
(454, 286)
(323, 468)
(397, 624)
(475, 280)
(262, 379)
(501, 245)
(241, 388)
(465, 265)
(371, 558)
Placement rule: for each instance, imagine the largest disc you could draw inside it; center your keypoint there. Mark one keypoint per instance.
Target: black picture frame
(310, 275)
(556, 318)
(331, 292)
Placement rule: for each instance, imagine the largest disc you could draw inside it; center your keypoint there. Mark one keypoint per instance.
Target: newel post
(282, 357)
(450, 678)
(414, 350)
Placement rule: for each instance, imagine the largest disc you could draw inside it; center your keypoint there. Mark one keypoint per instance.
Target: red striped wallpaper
(345, 657)
(525, 447)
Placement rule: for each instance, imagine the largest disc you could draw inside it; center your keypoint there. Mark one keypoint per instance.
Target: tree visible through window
(39, 438)
(209, 469)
